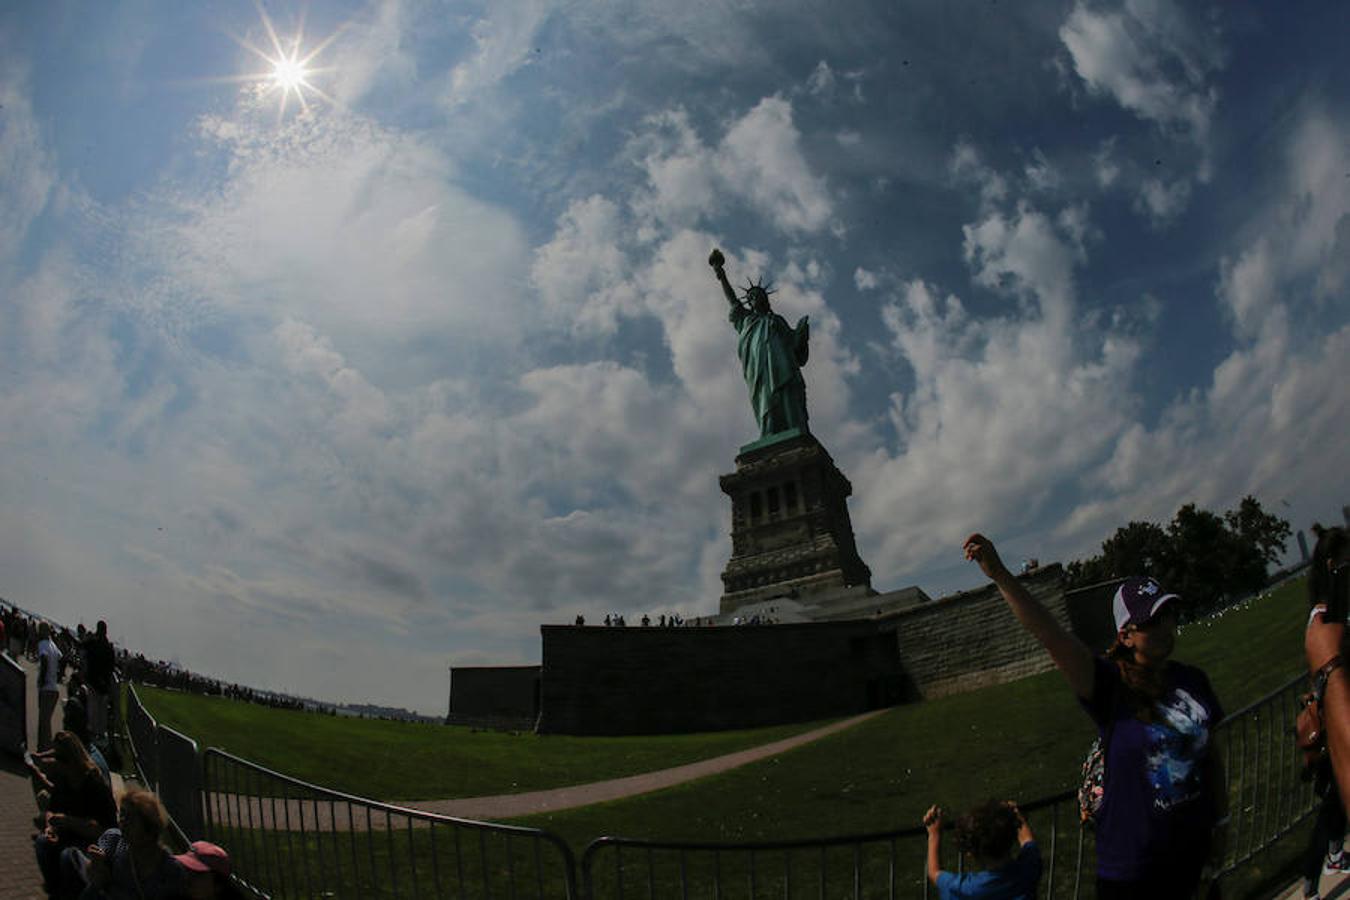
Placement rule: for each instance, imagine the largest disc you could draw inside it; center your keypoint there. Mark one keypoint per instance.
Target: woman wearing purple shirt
(1164, 808)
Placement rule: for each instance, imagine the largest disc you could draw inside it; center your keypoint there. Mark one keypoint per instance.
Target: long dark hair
(1144, 685)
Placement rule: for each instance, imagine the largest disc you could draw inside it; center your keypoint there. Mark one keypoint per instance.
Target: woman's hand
(981, 550)
(1071, 656)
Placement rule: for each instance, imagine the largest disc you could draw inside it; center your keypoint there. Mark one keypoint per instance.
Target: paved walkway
(268, 812)
(505, 806)
(1333, 887)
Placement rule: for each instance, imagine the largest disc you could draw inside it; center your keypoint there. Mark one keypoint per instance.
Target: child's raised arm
(932, 820)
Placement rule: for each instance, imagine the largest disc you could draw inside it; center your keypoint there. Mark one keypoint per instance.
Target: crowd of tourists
(675, 620)
(92, 846)
(662, 620)
(22, 634)
(159, 673)
(89, 844)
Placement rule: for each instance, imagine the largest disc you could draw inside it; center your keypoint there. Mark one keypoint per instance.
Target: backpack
(1093, 786)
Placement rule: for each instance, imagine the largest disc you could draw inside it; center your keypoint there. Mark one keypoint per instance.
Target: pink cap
(204, 856)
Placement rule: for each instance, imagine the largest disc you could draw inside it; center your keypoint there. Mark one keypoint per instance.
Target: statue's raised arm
(718, 262)
(771, 353)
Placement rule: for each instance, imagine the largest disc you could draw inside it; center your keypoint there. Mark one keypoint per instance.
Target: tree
(1259, 529)
(1202, 559)
(1201, 556)
(1140, 548)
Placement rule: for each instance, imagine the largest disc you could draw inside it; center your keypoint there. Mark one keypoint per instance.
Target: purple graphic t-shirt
(1157, 812)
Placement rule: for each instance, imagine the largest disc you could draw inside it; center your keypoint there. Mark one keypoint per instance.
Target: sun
(289, 74)
(290, 71)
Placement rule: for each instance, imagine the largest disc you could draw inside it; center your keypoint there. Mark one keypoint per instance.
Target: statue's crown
(760, 285)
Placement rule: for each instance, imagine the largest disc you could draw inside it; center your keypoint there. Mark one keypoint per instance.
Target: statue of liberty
(772, 355)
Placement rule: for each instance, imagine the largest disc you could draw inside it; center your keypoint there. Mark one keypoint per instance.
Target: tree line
(1200, 555)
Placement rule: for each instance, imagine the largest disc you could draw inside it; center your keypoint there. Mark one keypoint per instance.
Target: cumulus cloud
(1150, 58)
(579, 273)
(968, 167)
(1003, 410)
(821, 80)
(1161, 201)
(758, 162)
(1023, 254)
(1104, 165)
(864, 280)
(1156, 60)
(1268, 394)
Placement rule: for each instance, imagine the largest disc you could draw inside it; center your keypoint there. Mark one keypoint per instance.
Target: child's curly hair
(989, 831)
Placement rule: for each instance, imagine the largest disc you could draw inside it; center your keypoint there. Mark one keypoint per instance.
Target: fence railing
(180, 780)
(290, 838)
(141, 728)
(1267, 799)
(295, 839)
(1267, 795)
(169, 763)
(13, 705)
(884, 864)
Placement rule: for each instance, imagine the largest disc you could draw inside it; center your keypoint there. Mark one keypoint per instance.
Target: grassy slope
(1025, 739)
(396, 760)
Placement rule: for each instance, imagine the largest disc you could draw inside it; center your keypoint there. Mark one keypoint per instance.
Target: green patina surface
(771, 440)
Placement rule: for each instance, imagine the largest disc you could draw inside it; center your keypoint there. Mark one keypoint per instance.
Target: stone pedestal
(790, 530)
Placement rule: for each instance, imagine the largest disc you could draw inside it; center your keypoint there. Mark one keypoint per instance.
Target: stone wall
(971, 640)
(669, 680)
(636, 680)
(503, 697)
(1090, 614)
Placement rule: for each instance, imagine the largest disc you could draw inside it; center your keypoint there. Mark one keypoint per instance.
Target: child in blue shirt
(1004, 862)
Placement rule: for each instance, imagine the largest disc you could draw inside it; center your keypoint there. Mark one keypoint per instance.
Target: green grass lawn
(400, 760)
(1026, 739)
(1023, 740)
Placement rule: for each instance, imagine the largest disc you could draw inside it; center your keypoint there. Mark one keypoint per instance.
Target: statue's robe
(772, 355)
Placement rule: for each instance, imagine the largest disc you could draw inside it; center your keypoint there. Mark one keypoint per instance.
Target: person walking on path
(1164, 811)
(48, 685)
(98, 663)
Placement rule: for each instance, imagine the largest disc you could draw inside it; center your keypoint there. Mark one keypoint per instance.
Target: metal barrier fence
(1267, 795)
(883, 864)
(144, 747)
(168, 763)
(1267, 798)
(294, 839)
(180, 781)
(289, 838)
(13, 705)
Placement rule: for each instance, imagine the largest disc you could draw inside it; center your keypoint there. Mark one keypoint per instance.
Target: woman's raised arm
(1070, 655)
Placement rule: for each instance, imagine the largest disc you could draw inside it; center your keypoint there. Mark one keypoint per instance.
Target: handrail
(15, 683)
(241, 795)
(380, 805)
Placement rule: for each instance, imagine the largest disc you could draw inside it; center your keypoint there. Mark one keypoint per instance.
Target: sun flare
(290, 72)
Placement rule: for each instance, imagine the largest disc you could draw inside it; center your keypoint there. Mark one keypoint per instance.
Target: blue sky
(329, 398)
